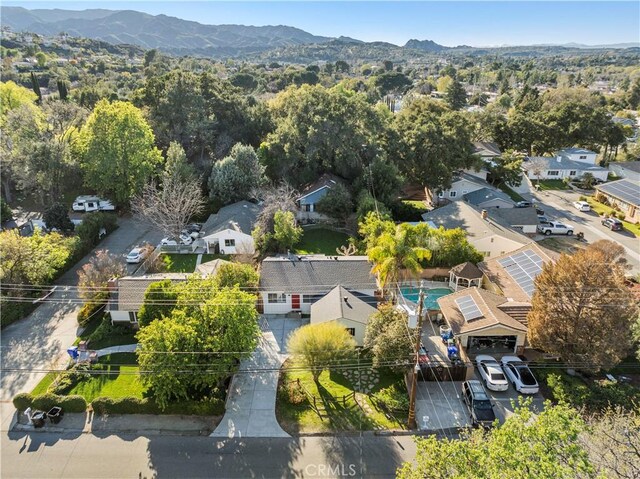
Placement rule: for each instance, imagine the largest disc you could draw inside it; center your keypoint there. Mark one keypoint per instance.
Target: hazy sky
(449, 23)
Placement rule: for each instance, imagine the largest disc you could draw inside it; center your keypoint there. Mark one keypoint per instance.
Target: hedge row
(133, 405)
(44, 402)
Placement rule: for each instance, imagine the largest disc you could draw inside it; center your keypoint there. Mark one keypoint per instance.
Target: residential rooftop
(341, 303)
(486, 148)
(625, 190)
(483, 195)
(561, 162)
(129, 295)
(240, 216)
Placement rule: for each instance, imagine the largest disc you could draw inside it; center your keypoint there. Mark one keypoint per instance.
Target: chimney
(112, 284)
(484, 214)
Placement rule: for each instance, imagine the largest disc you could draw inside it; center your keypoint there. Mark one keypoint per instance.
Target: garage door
(491, 344)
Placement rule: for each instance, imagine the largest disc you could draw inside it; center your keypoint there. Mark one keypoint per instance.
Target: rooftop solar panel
(468, 308)
(523, 268)
(626, 190)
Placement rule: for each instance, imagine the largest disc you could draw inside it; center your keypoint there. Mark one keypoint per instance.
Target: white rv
(92, 203)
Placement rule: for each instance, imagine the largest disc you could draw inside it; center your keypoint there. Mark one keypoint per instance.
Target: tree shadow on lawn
(344, 413)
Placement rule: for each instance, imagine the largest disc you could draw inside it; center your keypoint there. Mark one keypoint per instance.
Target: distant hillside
(424, 45)
(160, 31)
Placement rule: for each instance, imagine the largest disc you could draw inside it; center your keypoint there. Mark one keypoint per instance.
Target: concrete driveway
(251, 402)
(39, 342)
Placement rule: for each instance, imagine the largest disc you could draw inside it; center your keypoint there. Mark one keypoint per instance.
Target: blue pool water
(430, 298)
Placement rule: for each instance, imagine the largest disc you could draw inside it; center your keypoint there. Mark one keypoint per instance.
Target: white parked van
(92, 203)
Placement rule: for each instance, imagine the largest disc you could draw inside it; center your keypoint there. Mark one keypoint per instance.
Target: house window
(229, 242)
(306, 208)
(132, 317)
(452, 194)
(307, 298)
(583, 157)
(553, 173)
(351, 331)
(440, 194)
(276, 298)
(572, 173)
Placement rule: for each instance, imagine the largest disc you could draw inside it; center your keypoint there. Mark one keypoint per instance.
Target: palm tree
(396, 251)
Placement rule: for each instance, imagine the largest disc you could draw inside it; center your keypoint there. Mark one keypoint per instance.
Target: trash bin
(38, 418)
(55, 414)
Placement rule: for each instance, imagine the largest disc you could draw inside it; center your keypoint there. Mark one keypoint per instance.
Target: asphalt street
(48, 455)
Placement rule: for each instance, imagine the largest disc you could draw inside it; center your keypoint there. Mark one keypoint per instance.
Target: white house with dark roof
(560, 167)
(463, 182)
(489, 198)
(293, 283)
(229, 230)
(581, 155)
(349, 310)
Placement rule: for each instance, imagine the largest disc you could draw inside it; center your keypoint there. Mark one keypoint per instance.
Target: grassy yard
(562, 245)
(119, 378)
(333, 412)
(321, 240)
(602, 210)
(512, 194)
(186, 263)
(102, 334)
(546, 185)
(44, 384)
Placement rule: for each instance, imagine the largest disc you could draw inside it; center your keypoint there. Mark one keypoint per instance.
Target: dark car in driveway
(613, 224)
(478, 403)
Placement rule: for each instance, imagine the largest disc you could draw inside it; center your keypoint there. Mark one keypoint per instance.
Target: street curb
(136, 432)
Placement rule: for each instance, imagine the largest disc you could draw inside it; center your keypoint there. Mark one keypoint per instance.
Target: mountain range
(183, 37)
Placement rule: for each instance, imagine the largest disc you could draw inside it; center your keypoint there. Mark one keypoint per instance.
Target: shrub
(22, 401)
(294, 394)
(393, 398)
(73, 403)
(402, 211)
(582, 198)
(132, 405)
(89, 230)
(87, 312)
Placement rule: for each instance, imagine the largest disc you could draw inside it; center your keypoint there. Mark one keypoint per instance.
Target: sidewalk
(139, 424)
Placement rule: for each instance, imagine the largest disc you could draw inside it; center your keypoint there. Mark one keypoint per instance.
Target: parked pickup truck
(92, 203)
(555, 228)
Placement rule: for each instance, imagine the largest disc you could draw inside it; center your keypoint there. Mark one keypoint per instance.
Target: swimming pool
(430, 298)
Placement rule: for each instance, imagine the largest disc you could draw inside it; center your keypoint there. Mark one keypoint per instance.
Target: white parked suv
(491, 373)
(555, 228)
(581, 206)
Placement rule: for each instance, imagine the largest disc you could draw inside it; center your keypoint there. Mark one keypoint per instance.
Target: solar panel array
(626, 190)
(468, 308)
(523, 267)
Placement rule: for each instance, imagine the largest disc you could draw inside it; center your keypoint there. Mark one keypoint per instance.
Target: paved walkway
(127, 348)
(251, 401)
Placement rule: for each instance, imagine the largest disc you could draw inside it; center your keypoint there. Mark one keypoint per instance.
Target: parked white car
(555, 228)
(520, 375)
(491, 373)
(581, 206)
(169, 241)
(136, 255)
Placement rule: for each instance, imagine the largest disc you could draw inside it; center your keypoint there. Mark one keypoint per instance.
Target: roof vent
(484, 214)
(346, 299)
(559, 159)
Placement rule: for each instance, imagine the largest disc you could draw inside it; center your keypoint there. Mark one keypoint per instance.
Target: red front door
(295, 301)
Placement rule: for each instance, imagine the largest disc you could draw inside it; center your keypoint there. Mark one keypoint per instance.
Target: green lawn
(102, 334)
(321, 240)
(512, 194)
(332, 412)
(180, 263)
(44, 384)
(119, 378)
(546, 185)
(602, 210)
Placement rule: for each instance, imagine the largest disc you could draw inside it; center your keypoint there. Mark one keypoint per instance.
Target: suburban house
(625, 194)
(487, 233)
(311, 195)
(293, 283)
(629, 170)
(581, 155)
(210, 268)
(486, 150)
(229, 230)
(477, 319)
(560, 167)
(463, 182)
(350, 310)
(489, 198)
(127, 295)
(521, 219)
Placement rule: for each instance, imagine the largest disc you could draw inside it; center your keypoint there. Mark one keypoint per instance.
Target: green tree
(160, 299)
(5, 211)
(582, 297)
(455, 95)
(177, 164)
(117, 151)
(236, 274)
(389, 339)
(235, 177)
(200, 344)
(396, 254)
(286, 233)
(506, 169)
(319, 346)
(13, 96)
(57, 216)
(337, 203)
(41, 58)
(526, 445)
(434, 143)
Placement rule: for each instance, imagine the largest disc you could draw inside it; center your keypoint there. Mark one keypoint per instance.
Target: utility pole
(414, 381)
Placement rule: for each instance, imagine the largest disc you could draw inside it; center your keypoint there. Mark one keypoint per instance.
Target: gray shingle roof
(562, 163)
(627, 165)
(483, 195)
(486, 148)
(625, 190)
(131, 289)
(516, 216)
(333, 306)
(240, 216)
(467, 270)
(575, 151)
(316, 273)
